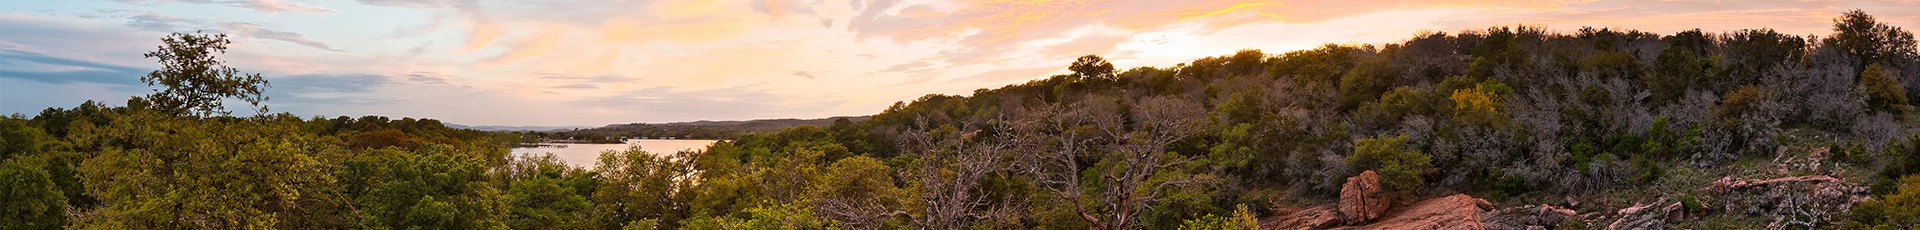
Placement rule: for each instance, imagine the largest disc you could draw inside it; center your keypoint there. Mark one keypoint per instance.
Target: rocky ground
(1789, 191)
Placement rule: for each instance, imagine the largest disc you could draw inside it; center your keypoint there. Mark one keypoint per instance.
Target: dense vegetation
(1515, 114)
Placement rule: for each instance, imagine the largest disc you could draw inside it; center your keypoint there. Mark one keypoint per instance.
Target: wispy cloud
(57, 70)
(268, 6)
(256, 31)
(277, 6)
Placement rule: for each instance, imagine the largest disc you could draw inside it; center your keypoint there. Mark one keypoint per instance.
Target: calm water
(583, 155)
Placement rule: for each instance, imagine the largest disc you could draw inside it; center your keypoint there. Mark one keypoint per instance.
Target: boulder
(1362, 199)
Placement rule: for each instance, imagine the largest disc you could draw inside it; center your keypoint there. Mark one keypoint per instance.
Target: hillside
(1502, 128)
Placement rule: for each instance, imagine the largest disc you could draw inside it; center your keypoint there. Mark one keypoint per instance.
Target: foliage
(1092, 67)
(1896, 211)
(1399, 167)
(1242, 219)
(197, 80)
(1884, 93)
(1511, 112)
(31, 200)
(1869, 40)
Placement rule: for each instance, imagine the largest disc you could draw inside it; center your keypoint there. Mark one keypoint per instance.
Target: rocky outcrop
(1309, 218)
(1450, 212)
(1529, 216)
(1362, 199)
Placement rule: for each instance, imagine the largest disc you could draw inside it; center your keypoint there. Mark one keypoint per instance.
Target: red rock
(1362, 199)
(1310, 218)
(1451, 212)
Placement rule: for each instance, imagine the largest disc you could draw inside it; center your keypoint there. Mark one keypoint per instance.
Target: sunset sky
(596, 62)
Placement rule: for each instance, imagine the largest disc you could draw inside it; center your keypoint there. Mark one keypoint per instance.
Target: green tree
(1092, 67)
(1399, 167)
(1869, 40)
(636, 185)
(1896, 211)
(545, 193)
(1884, 92)
(168, 172)
(30, 199)
(437, 186)
(197, 80)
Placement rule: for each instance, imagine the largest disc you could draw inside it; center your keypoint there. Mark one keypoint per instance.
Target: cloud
(903, 67)
(268, 6)
(529, 47)
(56, 70)
(595, 79)
(737, 102)
(578, 86)
(157, 22)
(431, 78)
(254, 30)
(484, 31)
(330, 83)
(803, 74)
(1000, 75)
(277, 6)
(330, 89)
(421, 3)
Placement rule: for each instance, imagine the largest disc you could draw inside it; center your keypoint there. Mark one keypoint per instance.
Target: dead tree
(1128, 154)
(953, 161)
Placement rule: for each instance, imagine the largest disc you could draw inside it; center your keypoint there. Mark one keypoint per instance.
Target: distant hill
(517, 128)
(712, 129)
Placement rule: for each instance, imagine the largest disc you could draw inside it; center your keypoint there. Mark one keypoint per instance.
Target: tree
(635, 185)
(29, 200)
(1399, 167)
(1884, 92)
(1133, 164)
(951, 164)
(1869, 40)
(197, 80)
(1895, 211)
(1092, 67)
(188, 173)
(858, 193)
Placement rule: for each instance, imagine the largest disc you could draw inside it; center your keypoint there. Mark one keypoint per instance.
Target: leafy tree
(1896, 211)
(857, 192)
(547, 194)
(1399, 167)
(435, 187)
(30, 199)
(1869, 40)
(1092, 67)
(1478, 105)
(197, 80)
(1884, 93)
(166, 172)
(635, 185)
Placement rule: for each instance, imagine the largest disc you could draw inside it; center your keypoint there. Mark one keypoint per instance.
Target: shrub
(1884, 93)
(1399, 167)
(1896, 211)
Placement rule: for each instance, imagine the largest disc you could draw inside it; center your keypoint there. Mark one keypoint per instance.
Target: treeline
(1514, 114)
(709, 130)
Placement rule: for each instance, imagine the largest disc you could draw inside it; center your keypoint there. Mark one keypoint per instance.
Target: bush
(1399, 167)
(1897, 211)
(1242, 219)
(1884, 93)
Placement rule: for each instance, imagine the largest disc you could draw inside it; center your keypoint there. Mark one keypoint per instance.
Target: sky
(597, 62)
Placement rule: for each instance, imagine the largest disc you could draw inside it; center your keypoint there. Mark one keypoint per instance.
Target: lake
(583, 155)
